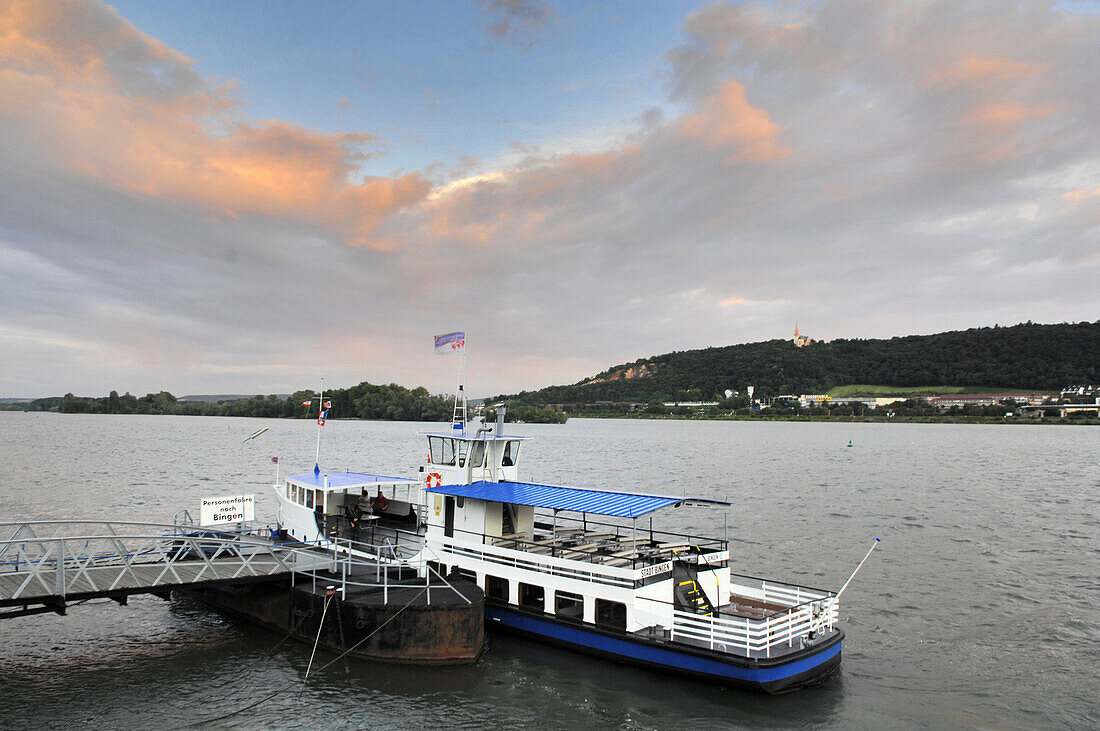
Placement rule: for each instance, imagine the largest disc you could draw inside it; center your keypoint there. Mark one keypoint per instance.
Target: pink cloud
(118, 106)
(1081, 195)
(727, 120)
(1001, 117)
(974, 68)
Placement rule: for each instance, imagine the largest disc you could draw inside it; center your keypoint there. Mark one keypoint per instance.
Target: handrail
(826, 592)
(628, 529)
(654, 555)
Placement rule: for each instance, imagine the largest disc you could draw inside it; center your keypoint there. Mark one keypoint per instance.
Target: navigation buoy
(849, 442)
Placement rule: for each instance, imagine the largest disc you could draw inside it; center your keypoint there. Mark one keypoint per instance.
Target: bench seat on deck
(398, 511)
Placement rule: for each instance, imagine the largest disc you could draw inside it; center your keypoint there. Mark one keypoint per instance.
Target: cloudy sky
(216, 197)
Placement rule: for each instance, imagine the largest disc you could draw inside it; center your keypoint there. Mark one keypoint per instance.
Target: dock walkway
(46, 565)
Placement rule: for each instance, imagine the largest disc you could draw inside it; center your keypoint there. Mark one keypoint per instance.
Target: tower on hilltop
(800, 341)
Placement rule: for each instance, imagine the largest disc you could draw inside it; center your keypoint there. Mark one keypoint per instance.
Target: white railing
(53, 559)
(774, 592)
(566, 568)
(348, 572)
(756, 636)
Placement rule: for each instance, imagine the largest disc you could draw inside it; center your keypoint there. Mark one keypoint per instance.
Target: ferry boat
(573, 566)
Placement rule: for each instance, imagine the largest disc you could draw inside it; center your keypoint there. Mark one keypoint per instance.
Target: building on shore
(948, 401)
(1081, 393)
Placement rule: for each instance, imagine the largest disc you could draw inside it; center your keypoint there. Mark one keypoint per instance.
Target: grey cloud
(519, 21)
(890, 215)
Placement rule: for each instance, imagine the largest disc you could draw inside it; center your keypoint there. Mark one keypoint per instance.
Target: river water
(978, 609)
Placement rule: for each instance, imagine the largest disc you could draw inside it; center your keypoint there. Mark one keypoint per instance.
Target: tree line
(1025, 356)
(364, 401)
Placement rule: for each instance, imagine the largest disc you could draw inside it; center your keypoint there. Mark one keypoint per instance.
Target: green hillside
(1026, 356)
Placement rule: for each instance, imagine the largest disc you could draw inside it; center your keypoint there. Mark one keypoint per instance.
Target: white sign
(655, 570)
(226, 510)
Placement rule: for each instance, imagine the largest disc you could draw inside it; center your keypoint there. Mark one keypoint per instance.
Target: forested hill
(1027, 356)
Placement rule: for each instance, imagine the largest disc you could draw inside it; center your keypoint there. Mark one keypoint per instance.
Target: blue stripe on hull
(660, 656)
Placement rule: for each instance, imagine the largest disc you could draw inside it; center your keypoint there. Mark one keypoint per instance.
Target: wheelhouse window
(309, 498)
(477, 454)
(441, 450)
(496, 587)
(511, 454)
(532, 597)
(569, 606)
(610, 614)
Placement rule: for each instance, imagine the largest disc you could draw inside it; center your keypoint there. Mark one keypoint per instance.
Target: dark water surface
(979, 609)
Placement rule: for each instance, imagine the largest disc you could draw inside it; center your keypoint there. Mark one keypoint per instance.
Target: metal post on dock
(60, 573)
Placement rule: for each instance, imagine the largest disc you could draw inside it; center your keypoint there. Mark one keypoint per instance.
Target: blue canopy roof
(581, 500)
(343, 479)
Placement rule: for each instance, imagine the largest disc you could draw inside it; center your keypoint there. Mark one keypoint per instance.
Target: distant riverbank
(957, 419)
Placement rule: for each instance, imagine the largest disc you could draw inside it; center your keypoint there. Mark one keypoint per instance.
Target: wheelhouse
(460, 460)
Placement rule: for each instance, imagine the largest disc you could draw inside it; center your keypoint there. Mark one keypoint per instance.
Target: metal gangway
(47, 565)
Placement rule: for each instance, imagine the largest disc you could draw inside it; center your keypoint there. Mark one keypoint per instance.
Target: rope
(320, 627)
(290, 685)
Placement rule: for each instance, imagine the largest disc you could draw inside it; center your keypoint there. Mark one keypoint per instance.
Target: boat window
(309, 498)
(569, 606)
(477, 454)
(532, 596)
(441, 450)
(496, 587)
(511, 454)
(297, 495)
(610, 614)
(462, 447)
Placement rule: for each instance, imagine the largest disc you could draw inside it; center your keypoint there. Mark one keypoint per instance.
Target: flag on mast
(305, 403)
(450, 343)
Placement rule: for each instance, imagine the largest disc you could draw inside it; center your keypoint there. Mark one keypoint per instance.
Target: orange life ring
(435, 479)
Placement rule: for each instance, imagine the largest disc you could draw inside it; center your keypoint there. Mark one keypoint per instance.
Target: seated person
(380, 502)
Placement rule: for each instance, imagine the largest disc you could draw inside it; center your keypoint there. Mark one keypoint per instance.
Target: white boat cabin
(537, 547)
(460, 460)
(316, 506)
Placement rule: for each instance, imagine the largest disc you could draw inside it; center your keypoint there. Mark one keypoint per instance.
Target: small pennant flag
(275, 460)
(328, 404)
(305, 403)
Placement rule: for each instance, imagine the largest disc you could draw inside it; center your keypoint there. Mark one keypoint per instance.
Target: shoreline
(855, 419)
(990, 420)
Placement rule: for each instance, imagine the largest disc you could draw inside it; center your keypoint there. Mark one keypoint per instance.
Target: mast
(320, 423)
(458, 417)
